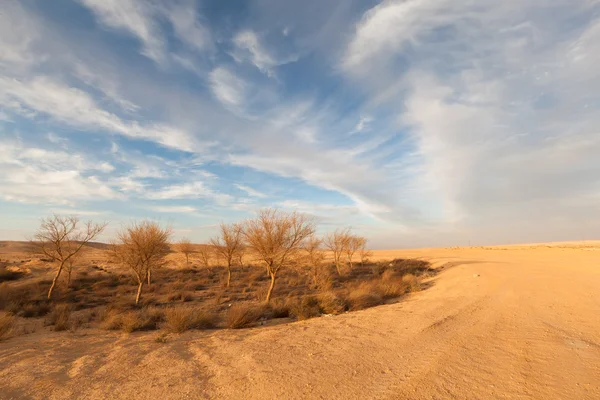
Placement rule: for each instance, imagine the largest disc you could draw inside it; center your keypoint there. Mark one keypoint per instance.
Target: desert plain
(498, 322)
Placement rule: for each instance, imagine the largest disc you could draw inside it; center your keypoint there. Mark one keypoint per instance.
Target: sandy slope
(527, 327)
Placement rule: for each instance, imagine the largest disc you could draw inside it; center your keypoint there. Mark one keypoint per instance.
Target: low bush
(362, 297)
(181, 319)
(7, 323)
(243, 315)
(9, 275)
(146, 319)
(277, 309)
(332, 303)
(180, 296)
(305, 307)
(414, 284)
(59, 317)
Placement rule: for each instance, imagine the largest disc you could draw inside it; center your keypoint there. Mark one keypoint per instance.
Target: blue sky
(416, 122)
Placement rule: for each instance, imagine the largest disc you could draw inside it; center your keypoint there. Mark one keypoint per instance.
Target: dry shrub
(414, 284)
(181, 296)
(362, 297)
(111, 319)
(7, 323)
(60, 317)
(243, 315)
(181, 319)
(305, 307)
(146, 319)
(277, 309)
(391, 288)
(29, 310)
(332, 303)
(24, 300)
(9, 275)
(324, 280)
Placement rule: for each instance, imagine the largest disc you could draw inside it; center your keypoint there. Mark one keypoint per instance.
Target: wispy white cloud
(134, 17)
(194, 190)
(228, 88)
(248, 48)
(250, 191)
(174, 209)
(66, 104)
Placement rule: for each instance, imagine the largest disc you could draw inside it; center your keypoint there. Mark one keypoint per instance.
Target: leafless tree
(364, 253)
(240, 256)
(186, 247)
(61, 238)
(228, 245)
(276, 238)
(315, 255)
(142, 247)
(206, 253)
(336, 243)
(352, 245)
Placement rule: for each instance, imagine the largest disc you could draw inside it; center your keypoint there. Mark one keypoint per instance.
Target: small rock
(475, 275)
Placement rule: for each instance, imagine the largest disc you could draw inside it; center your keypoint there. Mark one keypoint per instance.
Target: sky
(415, 122)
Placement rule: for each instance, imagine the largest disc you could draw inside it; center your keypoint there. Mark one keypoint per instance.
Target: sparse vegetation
(300, 282)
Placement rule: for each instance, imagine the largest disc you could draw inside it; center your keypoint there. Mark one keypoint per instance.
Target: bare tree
(142, 247)
(315, 255)
(228, 245)
(364, 253)
(240, 256)
(206, 253)
(186, 247)
(336, 243)
(352, 245)
(61, 238)
(276, 238)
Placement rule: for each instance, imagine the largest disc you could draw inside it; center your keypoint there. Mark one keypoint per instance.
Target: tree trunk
(139, 293)
(148, 274)
(69, 277)
(271, 286)
(228, 275)
(337, 267)
(350, 262)
(55, 279)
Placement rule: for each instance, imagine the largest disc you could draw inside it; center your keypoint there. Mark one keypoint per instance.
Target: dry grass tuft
(181, 296)
(60, 317)
(305, 307)
(332, 303)
(277, 309)
(7, 323)
(146, 319)
(414, 284)
(243, 315)
(362, 297)
(181, 319)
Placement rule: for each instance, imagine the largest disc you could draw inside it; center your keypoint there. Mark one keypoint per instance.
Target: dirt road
(518, 323)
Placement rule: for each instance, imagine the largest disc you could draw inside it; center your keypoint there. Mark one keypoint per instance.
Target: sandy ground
(519, 322)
